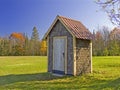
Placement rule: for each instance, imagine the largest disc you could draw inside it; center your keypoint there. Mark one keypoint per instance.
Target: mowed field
(30, 73)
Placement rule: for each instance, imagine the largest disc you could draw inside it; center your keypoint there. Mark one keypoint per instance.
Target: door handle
(63, 54)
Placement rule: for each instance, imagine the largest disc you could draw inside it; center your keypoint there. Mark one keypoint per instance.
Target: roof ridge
(69, 18)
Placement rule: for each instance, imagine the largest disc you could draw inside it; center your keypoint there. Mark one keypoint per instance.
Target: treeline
(18, 44)
(106, 42)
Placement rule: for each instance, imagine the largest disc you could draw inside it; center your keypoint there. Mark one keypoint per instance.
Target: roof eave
(50, 28)
(54, 22)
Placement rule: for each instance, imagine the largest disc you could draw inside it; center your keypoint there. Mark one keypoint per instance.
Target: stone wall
(83, 56)
(59, 30)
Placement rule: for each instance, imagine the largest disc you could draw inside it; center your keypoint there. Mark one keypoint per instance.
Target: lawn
(30, 73)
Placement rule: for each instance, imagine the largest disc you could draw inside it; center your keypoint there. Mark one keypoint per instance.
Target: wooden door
(59, 55)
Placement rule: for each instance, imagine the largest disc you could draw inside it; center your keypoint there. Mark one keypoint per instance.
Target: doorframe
(65, 62)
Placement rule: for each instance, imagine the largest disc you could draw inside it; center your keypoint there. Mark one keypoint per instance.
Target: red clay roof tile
(77, 28)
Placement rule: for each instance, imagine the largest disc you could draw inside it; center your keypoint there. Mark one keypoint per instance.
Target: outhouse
(69, 47)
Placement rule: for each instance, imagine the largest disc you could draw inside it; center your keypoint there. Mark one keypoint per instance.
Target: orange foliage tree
(17, 41)
(18, 37)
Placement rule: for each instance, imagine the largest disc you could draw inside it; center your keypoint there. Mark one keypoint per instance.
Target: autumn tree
(17, 43)
(43, 47)
(112, 8)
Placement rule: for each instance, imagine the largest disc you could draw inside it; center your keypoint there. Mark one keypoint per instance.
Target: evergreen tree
(35, 43)
(35, 34)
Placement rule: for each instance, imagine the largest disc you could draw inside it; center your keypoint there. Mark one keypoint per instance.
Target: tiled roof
(76, 27)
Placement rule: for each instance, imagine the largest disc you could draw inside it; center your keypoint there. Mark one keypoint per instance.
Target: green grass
(22, 65)
(30, 73)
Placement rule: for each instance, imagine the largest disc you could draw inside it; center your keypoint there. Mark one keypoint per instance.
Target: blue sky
(23, 15)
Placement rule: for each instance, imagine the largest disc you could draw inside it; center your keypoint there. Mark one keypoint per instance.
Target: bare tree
(112, 8)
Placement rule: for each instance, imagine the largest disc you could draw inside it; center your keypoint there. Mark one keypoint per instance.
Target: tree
(99, 43)
(112, 8)
(43, 47)
(35, 43)
(115, 42)
(17, 41)
(27, 45)
(105, 52)
(18, 38)
(35, 34)
(106, 42)
(114, 48)
(4, 46)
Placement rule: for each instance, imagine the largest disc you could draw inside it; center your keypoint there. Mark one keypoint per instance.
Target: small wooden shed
(69, 47)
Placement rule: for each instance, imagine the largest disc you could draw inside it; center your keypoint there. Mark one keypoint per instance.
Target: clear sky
(23, 15)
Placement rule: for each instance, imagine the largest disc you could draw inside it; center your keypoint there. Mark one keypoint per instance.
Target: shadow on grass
(9, 79)
(26, 81)
(106, 85)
